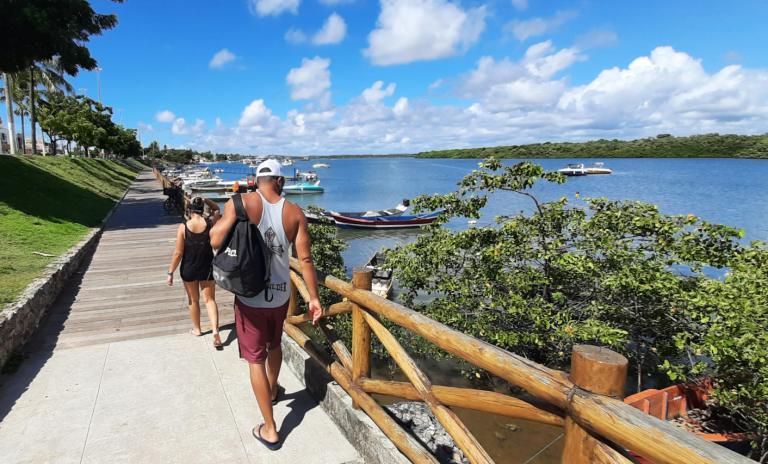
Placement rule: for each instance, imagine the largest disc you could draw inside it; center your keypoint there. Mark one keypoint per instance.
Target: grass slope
(48, 204)
(662, 146)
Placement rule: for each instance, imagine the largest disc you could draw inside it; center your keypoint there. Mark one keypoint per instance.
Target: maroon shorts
(257, 327)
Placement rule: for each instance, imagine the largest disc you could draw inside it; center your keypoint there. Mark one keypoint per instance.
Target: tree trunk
(23, 135)
(9, 112)
(32, 121)
(53, 143)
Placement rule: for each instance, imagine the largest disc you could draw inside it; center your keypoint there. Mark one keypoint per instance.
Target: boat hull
(376, 223)
(299, 190)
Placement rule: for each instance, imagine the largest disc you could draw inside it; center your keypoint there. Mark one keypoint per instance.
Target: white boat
(382, 278)
(597, 168)
(321, 165)
(301, 188)
(210, 182)
(287, 162)
(218, 170)
(573, 170)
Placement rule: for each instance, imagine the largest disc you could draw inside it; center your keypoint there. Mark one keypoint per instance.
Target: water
(731, 192)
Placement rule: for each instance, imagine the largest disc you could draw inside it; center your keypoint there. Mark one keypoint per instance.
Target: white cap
(271, 168)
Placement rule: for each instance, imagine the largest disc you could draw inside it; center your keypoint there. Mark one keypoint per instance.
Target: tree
(610, 273)
(36, 30)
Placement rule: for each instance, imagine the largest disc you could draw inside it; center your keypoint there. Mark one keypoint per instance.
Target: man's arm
(303, 249)
(222, 226)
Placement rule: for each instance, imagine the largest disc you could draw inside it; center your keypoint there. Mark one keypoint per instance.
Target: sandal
(217, 342)
(271, 446)
(192, 331)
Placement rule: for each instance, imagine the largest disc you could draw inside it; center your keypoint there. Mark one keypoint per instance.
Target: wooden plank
(361, 332)
(333, 310)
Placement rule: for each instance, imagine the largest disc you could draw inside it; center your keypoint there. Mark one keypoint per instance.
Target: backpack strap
(237, 200)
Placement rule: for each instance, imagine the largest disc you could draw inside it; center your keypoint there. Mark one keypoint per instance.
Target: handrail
(599, 421)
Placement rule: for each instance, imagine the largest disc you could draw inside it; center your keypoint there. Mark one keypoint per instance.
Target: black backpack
(241, 265)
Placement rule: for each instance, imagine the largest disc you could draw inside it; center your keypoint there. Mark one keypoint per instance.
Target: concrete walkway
(110, 378)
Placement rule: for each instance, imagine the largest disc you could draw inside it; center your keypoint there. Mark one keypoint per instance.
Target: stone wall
(20, 319)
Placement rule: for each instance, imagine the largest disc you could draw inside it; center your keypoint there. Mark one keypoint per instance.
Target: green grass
(48, 204)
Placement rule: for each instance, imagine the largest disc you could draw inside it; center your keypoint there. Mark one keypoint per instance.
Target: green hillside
(662, 146)
(48, 204)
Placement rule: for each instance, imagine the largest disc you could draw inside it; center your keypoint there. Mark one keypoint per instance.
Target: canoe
(402, 222)
(382, 278)
(675, 403)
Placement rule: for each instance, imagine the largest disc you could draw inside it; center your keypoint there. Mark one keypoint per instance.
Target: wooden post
(362, 278)
(597, 370)
(293, 305)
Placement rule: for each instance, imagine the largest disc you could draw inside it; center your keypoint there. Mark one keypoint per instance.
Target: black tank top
(198, 255)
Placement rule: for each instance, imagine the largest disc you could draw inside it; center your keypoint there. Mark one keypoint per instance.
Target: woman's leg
(193, 294)
(209, 298)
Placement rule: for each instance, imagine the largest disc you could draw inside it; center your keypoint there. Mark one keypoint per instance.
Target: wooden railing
(598, 426)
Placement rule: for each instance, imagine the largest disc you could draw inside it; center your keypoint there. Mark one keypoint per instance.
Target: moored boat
(287, 162)
(401, 222)
(573, 170)
(301, 188)
(315, 218)
(321, 165)
(382, 278)
(598, 168)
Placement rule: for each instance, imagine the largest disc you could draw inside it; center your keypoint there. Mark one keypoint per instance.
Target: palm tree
(48, 74)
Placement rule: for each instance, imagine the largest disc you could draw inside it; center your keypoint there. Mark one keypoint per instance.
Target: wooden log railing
(598, 426)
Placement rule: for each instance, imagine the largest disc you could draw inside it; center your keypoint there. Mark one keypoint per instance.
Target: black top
(198, 255)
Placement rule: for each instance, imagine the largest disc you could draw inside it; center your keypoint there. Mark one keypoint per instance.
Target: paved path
(114, 377)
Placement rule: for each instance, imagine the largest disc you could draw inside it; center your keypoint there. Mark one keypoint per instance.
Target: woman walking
(193, 250)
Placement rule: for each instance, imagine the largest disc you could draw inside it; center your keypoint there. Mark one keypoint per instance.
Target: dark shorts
(257, 327)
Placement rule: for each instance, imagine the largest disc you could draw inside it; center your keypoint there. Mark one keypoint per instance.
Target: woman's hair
(197, 205)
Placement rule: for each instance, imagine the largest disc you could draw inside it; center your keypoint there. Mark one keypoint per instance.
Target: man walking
(260, 319)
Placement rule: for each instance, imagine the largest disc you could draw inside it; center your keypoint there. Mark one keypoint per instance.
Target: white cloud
(732, 56)
(164, 116)
(255, 114)
(512, 102)
(273, 7)
(180, 127)
(412, 30)
(311, 80)
(295, 36)
(520, 5)
(538, 26)
(596, 38)
(375, 93)
(335, 2)
(221, 58)
(333, 31)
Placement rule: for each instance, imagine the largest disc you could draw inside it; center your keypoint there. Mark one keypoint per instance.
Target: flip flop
(192, 331)
(218, 346)
(280, 389)
(271, 446)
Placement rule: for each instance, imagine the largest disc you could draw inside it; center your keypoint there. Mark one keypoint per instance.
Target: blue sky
(467, 73)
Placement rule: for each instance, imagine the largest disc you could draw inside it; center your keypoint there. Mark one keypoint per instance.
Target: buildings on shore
(5, 145)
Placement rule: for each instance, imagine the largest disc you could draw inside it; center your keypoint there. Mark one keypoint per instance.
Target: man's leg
(274, 361)
(261, 388)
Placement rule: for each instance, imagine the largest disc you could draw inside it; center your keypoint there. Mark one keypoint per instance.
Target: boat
(306, 158)
(597, 168)
(218, 170)
(321, 165)
(315, 218)
(382, 278)
(301, 188)
(677, 404)
(573, 170)
(383, 222)
(287, 162)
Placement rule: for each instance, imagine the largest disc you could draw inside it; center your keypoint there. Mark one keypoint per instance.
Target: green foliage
(601, 272)
(47, 204)
(663, 146)
(37, 30)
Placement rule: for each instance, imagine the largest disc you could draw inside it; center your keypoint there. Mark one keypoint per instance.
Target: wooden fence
(598, 426)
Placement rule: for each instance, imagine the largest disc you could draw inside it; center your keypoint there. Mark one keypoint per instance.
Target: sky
(315, 77)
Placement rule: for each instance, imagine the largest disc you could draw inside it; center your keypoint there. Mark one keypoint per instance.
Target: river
(726, 191)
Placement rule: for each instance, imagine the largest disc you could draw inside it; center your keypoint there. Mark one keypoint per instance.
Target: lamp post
(98, 81)
(121, 115)
(83, 90)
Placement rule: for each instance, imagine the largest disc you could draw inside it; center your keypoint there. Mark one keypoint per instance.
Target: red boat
(384, 222)
(676, 402)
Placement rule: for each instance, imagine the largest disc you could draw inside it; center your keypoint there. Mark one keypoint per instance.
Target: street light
(83, 90)
(121, 115)
(98, 81)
